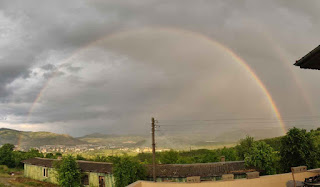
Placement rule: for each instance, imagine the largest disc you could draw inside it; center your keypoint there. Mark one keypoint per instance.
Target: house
(206, 171)
(310, 60)
(94, 173)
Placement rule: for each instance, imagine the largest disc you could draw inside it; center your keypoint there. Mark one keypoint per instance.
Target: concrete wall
(36, 172)
(280, 180)
(94, 179)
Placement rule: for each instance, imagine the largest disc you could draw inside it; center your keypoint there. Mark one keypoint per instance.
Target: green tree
(244, 146)
(126, 170)
(58, 154)
(18, 157)
(6, 155)
(208, 157)
(184, 160)
(262, 157)
(298, 148)
(275, 142)
(32, 153)
(80, 157)
(229, 153)
(50, 155)
(169, 157)
(104, 158)
(145, 158)
(68, 172)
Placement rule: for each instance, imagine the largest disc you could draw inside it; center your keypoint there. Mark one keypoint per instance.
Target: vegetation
(275, 143)
(262, 157)
(270, 156)
(188, 157)
(298, 148)
(127, 170)
(13, 159)
(244, 146)
(68, 172)
(6, 155)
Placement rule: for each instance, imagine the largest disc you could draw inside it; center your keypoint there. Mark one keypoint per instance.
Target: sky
(80, 67)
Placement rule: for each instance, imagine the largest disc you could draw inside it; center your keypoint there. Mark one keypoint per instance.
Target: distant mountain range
(112, 139)
(29, 139)
(34, 139)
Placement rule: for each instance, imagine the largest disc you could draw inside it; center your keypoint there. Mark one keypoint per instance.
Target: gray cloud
(118, 84)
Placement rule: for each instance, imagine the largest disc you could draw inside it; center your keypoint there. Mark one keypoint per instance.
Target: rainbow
(234, 56)
(280, 52)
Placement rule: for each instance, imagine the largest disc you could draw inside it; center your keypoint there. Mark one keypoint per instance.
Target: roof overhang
(310, 60)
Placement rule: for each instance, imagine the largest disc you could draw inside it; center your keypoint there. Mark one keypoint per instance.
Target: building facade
(94, 174)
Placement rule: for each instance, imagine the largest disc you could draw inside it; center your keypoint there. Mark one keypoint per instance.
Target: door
(102, 181)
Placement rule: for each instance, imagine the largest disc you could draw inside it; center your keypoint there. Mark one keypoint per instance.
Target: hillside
(116, 140)
(34, 139)
(175, 141)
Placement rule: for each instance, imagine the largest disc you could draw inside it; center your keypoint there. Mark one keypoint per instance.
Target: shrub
(6, 155)
(126, 170)
(262, 157)
(298, 148)
(244, 146)
(68, 172)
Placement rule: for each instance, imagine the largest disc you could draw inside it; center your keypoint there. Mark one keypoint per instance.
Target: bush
(229, 153)
(126, 170)
(6, 155)
(50, 155)
(262, 157)
(80, 157)
(298, 148)
(4, 169)
(169, 157)
(244, 146)
(68, 172)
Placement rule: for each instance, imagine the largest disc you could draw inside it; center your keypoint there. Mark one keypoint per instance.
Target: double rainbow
(234, 56)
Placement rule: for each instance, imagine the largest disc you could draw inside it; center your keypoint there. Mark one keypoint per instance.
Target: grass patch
(23, 181)
(4, 169)
(32, 183)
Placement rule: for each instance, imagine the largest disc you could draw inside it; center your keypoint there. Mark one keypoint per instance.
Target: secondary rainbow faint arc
(210, 40)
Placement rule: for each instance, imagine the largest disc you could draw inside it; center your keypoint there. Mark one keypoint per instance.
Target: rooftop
(310, 60)
(201, 169)
(85, 166)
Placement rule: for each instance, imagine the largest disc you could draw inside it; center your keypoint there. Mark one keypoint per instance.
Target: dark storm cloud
(37, 36)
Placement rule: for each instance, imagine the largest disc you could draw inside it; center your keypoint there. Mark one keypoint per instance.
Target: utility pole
(153, 149)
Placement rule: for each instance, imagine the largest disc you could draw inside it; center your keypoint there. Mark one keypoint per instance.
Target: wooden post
(294, 181)
(153, 149)
(298, 169)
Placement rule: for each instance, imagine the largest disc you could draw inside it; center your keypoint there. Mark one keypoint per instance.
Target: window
(85, 180)
(45, 172)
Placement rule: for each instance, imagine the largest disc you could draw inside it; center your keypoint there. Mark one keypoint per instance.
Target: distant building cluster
(148, 150)
(66, 149)
(86, 148)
